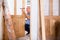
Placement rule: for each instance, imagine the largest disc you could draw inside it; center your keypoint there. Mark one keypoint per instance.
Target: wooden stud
(23, 5)
(39, 22)
(51, 14)
(15, 7)
(51, 7)
(42, 20)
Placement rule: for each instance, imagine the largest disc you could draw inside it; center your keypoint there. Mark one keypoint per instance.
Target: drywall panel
(34, 19)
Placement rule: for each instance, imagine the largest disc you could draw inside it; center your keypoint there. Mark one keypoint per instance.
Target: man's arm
(28, 17)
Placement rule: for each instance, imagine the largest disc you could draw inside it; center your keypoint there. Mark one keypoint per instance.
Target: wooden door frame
(34, 20)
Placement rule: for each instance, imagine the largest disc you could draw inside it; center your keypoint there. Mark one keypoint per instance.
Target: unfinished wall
(50, 30)
(55, 7)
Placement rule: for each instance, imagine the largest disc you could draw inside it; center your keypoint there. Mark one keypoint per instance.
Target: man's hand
(23, 11)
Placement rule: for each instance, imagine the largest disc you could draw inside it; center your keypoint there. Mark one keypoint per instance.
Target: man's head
(28, 9)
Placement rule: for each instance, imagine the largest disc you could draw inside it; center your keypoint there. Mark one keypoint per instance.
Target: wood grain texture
(19, 25)
(5, 36)
(47, 26)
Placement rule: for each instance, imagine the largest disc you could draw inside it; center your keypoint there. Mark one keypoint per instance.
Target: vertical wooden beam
(51, 7)
(51, 14)
(39, 22)
(42, 20)
(15, 7)
(23, 3)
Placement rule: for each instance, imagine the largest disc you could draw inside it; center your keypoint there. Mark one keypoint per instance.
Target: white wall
(46, 7)
(34, 19)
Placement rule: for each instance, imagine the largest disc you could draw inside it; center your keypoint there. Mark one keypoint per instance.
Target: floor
(27, 37)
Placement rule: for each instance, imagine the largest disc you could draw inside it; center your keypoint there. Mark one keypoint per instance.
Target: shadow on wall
(57, 30)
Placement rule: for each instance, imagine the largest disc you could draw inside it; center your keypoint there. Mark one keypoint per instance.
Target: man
(27, 24)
